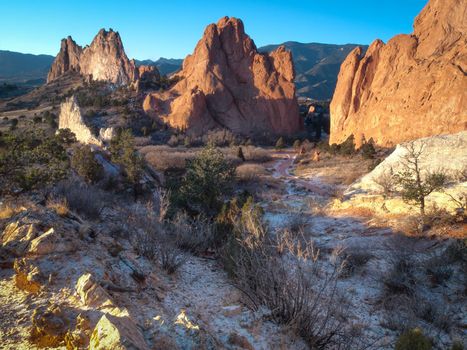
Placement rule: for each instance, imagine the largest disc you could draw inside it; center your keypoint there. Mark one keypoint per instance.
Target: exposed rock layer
(227, 83)
(104, 60)
(413, 86)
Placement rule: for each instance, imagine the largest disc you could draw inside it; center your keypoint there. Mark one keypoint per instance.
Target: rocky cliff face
(227, 83)
(104, 60)
(413, 86)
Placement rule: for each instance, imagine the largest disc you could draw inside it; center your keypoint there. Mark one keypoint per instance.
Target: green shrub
(280, 144)
(348, 146)
(31, 160)
(122, 149)
(209, 176)
(85, 164)
(368, 149)
(413, 340)
(13, 124)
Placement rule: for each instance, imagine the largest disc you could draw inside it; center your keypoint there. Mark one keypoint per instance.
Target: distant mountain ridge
(21, 67)
(316, 66)
(165, 66)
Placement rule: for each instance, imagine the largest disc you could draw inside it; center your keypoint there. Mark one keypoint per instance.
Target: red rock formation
(413, 86)
(104, 59)
(66, 60)
(227, 83)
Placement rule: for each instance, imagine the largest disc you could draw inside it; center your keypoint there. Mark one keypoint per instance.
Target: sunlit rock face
(227, 83)
(71, 118)
(103, 60)
(414, 86)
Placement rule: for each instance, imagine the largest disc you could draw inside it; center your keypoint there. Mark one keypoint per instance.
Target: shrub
(13, 123)
(280, 144)
(348, 146)
(293, 292)
(413, 340)
(31, 160)
(415, 188)
(207, 179)
(354, 260)
(387, 182)
(400, 279)
(122, 149)
(240, 154)
(297, 144)
(368, 149)
(59, 205)
(85, 164)
(250, 172)
(82, 198)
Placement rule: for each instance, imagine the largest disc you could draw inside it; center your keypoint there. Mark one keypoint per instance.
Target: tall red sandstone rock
(105, 59)
(227, 83)
(413, 86)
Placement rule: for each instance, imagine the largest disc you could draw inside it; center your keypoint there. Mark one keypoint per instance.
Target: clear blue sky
(171, 28)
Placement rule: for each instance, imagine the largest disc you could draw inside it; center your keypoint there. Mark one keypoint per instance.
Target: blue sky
(153, 29)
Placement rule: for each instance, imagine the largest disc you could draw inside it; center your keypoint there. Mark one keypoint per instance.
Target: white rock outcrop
(71, 118)
(445, 152)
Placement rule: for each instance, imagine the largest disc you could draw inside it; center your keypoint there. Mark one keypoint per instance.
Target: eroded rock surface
(104, 59)
(227, 83)
(414, 86)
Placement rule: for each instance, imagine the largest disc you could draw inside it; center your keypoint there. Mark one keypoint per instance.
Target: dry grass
(59, 205)
(7, 211)
(250, 172)
(251, 153)
(165, 158)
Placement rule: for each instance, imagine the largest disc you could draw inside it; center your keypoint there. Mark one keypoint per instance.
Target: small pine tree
(209, 176)
(240, 154)
(85, 164)
(122, 149)
(280, 144)
(414, 187)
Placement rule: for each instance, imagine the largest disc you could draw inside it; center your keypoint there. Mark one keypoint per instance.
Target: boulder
(412, 87)
(117, 333)
(49, 326)
(28, 277)
(227, 83)
(50, 242)
(17, 236)
(92, 294)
